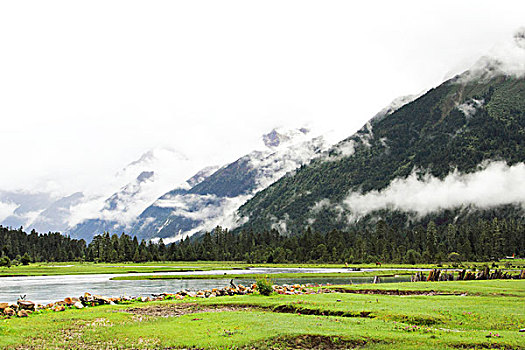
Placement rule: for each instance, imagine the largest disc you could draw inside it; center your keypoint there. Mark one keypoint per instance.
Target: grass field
(77, 268)
(473, 314)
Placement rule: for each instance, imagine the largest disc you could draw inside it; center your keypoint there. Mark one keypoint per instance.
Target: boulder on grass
(60, 308)
(26, 305)
(9, 311)
(22, 313)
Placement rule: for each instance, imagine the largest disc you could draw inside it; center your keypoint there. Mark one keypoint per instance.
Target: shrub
(264, 286)
(26, 259)
(5, 261)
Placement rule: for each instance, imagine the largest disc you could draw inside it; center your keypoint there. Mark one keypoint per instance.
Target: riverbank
(349, 275)
(81, 268)
(429, 315)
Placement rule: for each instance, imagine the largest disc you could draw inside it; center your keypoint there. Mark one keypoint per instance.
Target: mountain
(55, 217)
(41, 211)
(454, 152)
(20, 208)
(214, 200)
(144, 181)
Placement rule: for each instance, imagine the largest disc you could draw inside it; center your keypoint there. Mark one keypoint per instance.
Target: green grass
(398, 322)
(40, 269)
(49, 269)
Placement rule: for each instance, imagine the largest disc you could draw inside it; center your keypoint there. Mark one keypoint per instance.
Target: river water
(45, 289)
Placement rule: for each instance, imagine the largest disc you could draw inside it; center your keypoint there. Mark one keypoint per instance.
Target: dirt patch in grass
(175, 310)
(392, 292)
(487, 346)
(294, 309)
(307, 341)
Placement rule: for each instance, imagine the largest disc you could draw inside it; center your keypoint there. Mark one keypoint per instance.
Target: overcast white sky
(88, 86)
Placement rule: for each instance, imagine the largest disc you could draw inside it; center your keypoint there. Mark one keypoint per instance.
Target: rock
(102, 299)
(522, 330)
(3, 306)
(26, 305)
(9, 311)
(59, 308)
(78, 305)
(22, 313)
(68, 301)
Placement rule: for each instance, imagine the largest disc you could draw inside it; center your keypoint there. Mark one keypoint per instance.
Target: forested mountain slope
(456, 151)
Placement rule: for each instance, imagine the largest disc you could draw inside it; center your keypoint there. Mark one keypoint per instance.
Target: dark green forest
(481, 240)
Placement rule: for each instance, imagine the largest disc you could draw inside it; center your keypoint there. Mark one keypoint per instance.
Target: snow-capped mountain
(214, 201)
(143, 181)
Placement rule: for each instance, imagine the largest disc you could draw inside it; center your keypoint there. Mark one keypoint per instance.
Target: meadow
(422, 315)
(80, 268)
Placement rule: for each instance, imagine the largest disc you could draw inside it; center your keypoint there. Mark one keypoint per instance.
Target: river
(45, 289)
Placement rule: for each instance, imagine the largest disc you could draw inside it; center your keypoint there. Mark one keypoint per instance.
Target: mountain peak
(277, 137)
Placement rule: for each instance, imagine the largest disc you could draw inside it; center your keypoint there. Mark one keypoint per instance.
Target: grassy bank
(77, 268)
(480, 314)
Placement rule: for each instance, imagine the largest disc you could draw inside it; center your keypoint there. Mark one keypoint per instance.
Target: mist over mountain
(214, 200)
(453, 153)
(151, 175)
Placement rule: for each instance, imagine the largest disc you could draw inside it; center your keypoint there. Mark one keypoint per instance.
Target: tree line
(481, 240)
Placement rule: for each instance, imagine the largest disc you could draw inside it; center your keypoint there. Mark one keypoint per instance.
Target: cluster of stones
(23, 307)
(296, 289)
(464, 275)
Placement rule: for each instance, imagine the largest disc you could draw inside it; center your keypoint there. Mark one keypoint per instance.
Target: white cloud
(496, 184)
(506, 58)
(108, 80)
(469, 108)
(213, 211)
(7, 209)
(135, 187)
